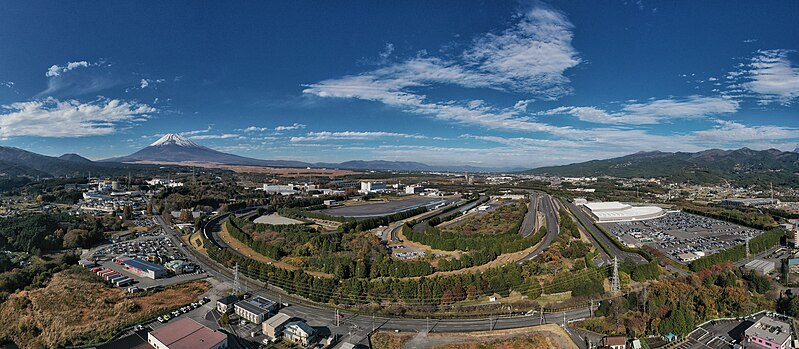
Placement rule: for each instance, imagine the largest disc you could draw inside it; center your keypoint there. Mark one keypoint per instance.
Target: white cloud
(144, 83)
(653, 111)
(195, 132)
(8, 84)
(294, 126)
(771, 75)
(352, 135)
(51, 117)
(253, 129)
(220, 136)
(531, 56)
(57, 70)
(387, 51)
(734, 132)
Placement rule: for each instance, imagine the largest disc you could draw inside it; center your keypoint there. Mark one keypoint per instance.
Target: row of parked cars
(183, 310)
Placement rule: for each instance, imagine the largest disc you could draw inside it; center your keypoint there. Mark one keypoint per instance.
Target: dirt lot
(547, 336)
(76, 307)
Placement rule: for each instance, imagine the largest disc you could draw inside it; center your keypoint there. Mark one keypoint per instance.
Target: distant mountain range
(19, 162)
(173, 148)
(710, 166)
(743, 166)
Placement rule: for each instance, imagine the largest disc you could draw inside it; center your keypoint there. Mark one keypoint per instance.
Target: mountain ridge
(176, 148)
(742, 165)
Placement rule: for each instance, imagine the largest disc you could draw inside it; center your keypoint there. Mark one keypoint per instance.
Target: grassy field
(498, 221)
(76, 307)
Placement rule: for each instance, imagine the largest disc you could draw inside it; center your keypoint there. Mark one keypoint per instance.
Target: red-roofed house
(186, 334)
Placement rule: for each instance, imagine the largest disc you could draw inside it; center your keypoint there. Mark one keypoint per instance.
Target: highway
(528, 224)
(553, 227)
(354, 327)
(614, 250)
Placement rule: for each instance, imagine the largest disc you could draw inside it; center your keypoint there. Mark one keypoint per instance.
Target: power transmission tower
(615, 286)
(747, 247)
(236, 283)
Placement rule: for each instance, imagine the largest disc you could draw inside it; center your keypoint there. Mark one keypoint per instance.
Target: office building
(255, 309)
(768, 333)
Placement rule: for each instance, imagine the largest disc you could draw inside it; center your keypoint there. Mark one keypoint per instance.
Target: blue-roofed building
(145, 268)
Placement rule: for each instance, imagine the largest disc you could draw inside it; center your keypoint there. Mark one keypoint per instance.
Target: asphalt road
(614, 250)
(528, 224)
(553, 227)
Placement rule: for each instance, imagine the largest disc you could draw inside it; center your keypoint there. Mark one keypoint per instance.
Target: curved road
(553, 227)
(360, 326)
(604, 239)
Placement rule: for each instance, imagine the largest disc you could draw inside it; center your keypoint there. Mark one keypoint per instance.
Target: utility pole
(427, 321)
(337, 319)
(541, 321)
(564, 319)
(615, 285)
(591, 308)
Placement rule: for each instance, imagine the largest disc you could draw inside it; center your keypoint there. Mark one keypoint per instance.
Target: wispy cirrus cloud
(57, 70)
(351, 135)
(726, 132)
(217, 136)
(653, 111)
(530, 57)
(772, 76)
(51, 117)
(294, 126)
(79, 78)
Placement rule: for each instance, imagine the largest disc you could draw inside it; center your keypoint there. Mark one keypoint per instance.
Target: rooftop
(257, 305)
(277, 320)
(142, 264)
(770, 329)
(186, 333)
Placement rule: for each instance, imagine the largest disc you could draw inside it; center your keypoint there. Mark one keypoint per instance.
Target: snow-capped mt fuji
(175, 139)
(173, 147)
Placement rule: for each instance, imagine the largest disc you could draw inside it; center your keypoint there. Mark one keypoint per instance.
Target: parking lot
(153, 246)
(404, 252)
(679, 232)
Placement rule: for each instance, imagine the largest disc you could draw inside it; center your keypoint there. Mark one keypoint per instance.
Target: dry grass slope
(75, 308)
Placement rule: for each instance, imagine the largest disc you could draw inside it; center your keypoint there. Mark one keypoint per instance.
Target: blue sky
(446, 82)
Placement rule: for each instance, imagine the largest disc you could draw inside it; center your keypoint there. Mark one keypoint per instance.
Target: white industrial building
(414, 189)
(287, 189)
(618, 212)
(760, 266)
(373, 187)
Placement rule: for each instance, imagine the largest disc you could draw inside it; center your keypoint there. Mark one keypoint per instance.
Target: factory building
(372, 187)
(760, 266)
(287, 189)
(145, 268)
(619, 212)
(186, 333)
(414, 189)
